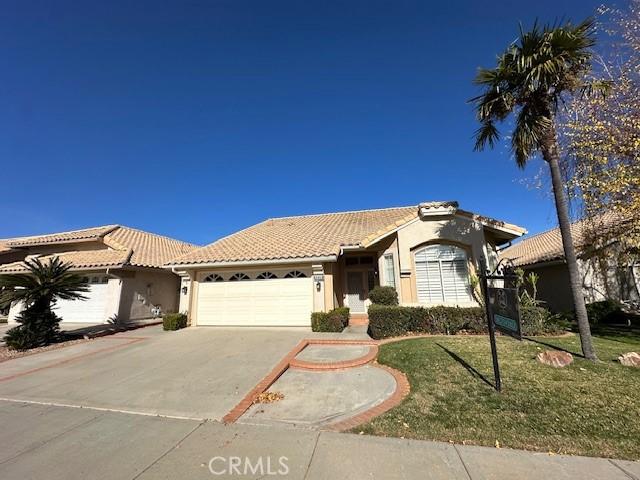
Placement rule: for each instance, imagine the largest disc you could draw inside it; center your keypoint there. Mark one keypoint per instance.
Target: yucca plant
(38, 290)
(529, 83)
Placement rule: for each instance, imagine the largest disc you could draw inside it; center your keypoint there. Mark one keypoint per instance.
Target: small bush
(384, 296)
(537, 320)
(37, 329)
(335, 320)
(174, 321)
(606, 312)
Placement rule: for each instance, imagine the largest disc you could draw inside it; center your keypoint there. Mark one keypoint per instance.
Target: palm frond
(487, 134)
(42, 282)
(529, 80)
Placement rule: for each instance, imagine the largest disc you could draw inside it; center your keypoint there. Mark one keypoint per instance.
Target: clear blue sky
(195, 119)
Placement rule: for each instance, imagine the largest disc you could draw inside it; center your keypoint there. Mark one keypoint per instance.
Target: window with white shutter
(389, 271)
(442, 274)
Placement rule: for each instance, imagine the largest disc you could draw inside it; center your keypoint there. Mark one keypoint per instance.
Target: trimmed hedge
(335, 320)
(174, 321)
(384, 296)
(392, 321)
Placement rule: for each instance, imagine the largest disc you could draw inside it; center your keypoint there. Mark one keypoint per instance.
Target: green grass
(584, 409)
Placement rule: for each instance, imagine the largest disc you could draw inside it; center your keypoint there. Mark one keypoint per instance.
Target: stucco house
(122, 265)
(604, 275)
(277, 272)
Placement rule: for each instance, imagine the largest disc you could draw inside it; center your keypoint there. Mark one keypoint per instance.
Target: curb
(356, 362)
(402, 390)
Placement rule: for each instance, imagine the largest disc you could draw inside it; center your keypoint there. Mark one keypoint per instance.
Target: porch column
(318, 288)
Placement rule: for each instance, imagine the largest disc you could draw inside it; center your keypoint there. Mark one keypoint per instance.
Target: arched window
(266, 276)
(295, 274)
(442, 274)
(214, 277)
(239, 277)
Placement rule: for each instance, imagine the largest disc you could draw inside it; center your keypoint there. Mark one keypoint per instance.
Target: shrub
(37, 329)
(384, 296)
(537, 320)
(174, 321)
(606, 312)
(335, 320)
(391, 321)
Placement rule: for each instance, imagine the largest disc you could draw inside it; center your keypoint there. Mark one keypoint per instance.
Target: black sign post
(503, 314)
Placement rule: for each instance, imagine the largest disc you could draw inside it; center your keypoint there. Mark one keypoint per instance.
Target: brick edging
(282, 366)
(400, 393)
(356, 362)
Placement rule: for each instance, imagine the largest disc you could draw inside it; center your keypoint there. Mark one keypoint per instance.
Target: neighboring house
(604, 276)
(277, 272)
(122, 266)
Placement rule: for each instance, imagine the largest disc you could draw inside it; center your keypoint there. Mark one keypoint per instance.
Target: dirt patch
(7, 354)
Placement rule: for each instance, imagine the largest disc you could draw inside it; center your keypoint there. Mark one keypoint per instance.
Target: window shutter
(389, 271)
(442, 275)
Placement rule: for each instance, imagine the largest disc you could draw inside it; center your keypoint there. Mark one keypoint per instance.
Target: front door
(356, 291)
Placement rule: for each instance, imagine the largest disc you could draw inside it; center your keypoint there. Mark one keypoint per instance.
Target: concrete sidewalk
(41, 441)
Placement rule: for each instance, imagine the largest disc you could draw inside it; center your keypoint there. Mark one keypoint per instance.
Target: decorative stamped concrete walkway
(326, 384)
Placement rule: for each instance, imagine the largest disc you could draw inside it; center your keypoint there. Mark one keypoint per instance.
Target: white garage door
(260, 299)
(92, 310)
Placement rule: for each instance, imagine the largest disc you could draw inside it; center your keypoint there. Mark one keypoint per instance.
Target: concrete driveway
(198, 373)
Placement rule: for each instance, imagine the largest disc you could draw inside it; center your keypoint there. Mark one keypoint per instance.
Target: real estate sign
(505, 311)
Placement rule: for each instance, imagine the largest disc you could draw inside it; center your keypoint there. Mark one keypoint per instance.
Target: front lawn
(584, 409)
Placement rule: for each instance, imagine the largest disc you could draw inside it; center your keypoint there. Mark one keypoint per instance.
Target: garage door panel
(275, 302)
(92, 310)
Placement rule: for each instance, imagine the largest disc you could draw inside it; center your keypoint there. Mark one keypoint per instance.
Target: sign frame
(504, 307)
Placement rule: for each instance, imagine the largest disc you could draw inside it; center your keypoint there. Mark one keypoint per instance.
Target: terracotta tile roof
(302, 237)
(297, 237)
(127, 246)
(80, 260)
(148, 249)
(87, 234)
(4, 247)
(547, 246)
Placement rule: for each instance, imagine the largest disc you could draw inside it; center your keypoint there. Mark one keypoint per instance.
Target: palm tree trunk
(552, 157)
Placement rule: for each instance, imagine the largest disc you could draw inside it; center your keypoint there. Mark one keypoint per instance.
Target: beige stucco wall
(183, 302)
(599, 282)
(143, 290)
(328, 287)
(461, 231)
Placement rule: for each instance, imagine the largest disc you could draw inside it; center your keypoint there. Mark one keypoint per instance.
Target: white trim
(240, 263)
(491, 226)
(439, 211)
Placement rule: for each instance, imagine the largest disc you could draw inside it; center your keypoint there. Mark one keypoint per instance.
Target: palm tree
(38, 290)
(530, 81)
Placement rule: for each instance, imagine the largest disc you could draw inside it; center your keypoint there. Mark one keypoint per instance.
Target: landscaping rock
(630, 359)
(555, 358)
